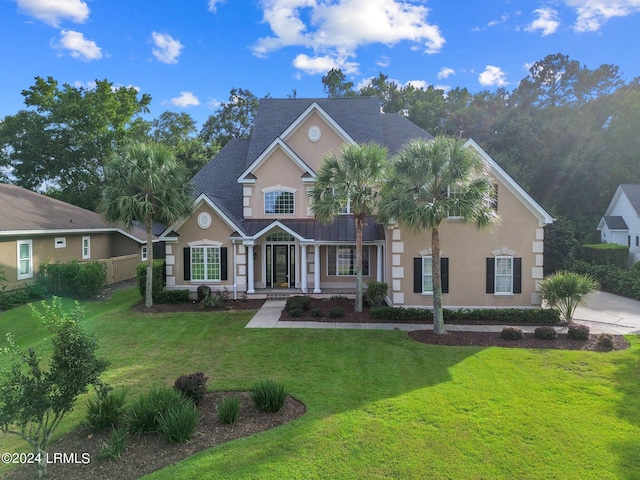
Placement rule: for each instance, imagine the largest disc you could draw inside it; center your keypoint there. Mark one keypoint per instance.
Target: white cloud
(492, 77)
(213, 5)
(337, 28)
(167, 49)
(418, 84)
(547, 21)
(383, 61)
(78, 46)
(186, 99)
(322, 64)
(592, 14)
(54, 11)
(446, 72)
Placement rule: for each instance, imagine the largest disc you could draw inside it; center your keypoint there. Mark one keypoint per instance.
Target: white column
(303, 268)
(250, 281)
(378, 263)
(316, 269)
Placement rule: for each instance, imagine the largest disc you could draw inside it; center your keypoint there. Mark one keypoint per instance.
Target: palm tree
(352, 179)
(565, 290)
(145, 183)
(429, 182)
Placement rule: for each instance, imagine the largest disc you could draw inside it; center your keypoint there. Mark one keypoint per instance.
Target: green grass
(380, 405)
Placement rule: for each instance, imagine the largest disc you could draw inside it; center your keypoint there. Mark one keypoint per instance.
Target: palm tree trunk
(438, 319)
(359, 229)
(148, 296)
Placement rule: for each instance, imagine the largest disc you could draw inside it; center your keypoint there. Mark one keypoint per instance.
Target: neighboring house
(621, 221)
(253, 230)
(35, 228)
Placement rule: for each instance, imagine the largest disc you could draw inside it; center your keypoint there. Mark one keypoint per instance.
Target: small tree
(564, 291)
(34, 400)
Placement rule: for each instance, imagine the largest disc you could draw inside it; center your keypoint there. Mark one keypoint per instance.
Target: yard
(379, 405)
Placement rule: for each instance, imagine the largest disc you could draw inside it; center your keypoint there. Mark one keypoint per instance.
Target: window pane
(341, 260)
(427, 277)
(504, 274)
(213, 263)
(278, 202)
(197, 263)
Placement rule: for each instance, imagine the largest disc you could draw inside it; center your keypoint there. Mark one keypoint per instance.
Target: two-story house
(253, 229)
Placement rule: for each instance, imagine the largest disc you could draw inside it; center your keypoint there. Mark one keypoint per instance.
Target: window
(60, 242)
(279, 202)
(504, 275)
(25, 259)
(427, 275)
(423, 276)
(86, 248)
(205, 263)
(341, 260)
(454, 192)
(143, 254)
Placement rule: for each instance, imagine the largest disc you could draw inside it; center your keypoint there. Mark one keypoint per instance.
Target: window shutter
(444, 274)
(517, 275)
(223, 263)
(417, 275)
(186, 262)
(491, 268)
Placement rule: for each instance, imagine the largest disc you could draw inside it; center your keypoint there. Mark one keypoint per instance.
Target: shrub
(336, 312)
(192, 386)
(172, 296)
(13, 298)
(178, 423)
(229, 410)
(202, 291)
(606, 253)
(296, 312)
(298, 301)
(605, 341)
(612, 278)
(545, 333)
(268, 395)
(512, 333)
(216, 299)
(376, 293)
(316, 313)
(565, 290)
(577, 331)
(107, 409)
(159, 278)
(73, 278)
(145, 412)
(114, 446)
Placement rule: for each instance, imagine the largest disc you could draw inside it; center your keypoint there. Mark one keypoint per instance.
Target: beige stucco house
(35, 228)
(253, 230)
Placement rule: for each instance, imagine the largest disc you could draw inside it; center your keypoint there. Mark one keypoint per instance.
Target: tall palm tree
(144, 183)
(352, 179)
(429, 182)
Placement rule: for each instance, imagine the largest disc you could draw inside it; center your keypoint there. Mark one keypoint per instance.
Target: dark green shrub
(316, 313)
(73, 278)
(401, 314)
(545, 333)
(216, 299)
(192, 386)
(296, 312)
(202, 291)
(512, 333)
(605, 341)
(159, 278)
(229, 410)
(268, 395)
(144, 413)
(107, 409)
(114, 446)
(578, 331)
(172, 296)
(336, 312)
(178, 423)
(606, 253)
(612, 278)
(376, 293)
(298, 301)
(532, 316)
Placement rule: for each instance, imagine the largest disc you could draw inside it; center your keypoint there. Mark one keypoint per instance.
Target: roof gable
(248, 176)
(632, 194)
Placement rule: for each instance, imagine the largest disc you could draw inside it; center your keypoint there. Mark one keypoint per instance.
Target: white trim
(204, 220)
(87, 239)
(60, 231)
(60, 242)
(29, 273)
(267, 153)
(314, 107)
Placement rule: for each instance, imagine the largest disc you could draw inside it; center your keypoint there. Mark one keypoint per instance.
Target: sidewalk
(268, 317)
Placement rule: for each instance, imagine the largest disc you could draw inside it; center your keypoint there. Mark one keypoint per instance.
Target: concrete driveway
(610, 312)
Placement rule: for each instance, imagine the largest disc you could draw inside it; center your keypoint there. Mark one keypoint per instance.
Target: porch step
(281, 295)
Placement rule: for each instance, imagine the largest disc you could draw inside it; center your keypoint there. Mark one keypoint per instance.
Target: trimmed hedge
(159, 278)
(172, 296)
(73, 278)
(605, 254)
(612, 278)
(533, 316)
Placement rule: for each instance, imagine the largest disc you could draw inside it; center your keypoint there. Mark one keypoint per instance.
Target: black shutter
(491, 269)
(223, 263)
(186, 262)
(517, 275)
(417, 275)
(444, 274)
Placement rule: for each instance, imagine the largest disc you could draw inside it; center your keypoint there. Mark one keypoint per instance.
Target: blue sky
(188, 54)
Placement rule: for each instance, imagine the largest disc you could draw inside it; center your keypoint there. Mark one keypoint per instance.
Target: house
(621, 221)
(253, 230)
(35, 228)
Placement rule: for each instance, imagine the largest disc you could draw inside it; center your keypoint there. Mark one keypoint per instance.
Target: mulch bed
(150, 452)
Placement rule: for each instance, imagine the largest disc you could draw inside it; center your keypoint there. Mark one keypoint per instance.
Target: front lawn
(380, 405)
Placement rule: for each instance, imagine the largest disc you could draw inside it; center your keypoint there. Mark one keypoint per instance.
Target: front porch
(284, 293)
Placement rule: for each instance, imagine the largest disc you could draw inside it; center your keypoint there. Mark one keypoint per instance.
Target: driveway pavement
(610, 312)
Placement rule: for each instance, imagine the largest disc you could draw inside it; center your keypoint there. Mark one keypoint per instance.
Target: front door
(281, 266)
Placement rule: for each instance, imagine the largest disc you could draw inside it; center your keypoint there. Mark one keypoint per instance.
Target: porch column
(378, 263)
(316, 269)
(303, 268)
(250, 267)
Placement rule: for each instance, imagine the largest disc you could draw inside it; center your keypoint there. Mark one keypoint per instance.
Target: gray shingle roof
(632, 191)
(615, 222)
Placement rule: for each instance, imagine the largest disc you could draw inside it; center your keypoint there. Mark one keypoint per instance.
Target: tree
(62, 142)
(233, 119)
(145, 183)
(429, 181)
(352, 179)
(335, 84)
(565, 290)
(34, 400)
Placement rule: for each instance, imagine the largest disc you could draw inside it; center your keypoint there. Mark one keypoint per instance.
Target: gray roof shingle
(615, 222)
(632, 191)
